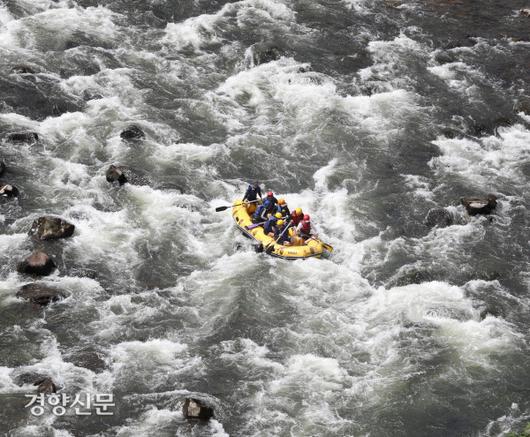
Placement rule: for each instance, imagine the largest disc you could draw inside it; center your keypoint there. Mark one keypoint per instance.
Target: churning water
(366, 113)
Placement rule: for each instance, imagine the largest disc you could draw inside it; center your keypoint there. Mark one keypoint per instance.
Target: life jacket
(270, 203)
(270, 224)
(295, 218)
(305, 228)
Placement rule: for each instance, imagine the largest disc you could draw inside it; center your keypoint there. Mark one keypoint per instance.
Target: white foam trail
(279, 90)
(56, 26)
(479, 159)
(388, 57)
(197, 32)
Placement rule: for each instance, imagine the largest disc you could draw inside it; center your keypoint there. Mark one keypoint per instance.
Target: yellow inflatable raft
(312, 248)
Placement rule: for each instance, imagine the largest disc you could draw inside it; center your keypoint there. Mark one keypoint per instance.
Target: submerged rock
(115, 174)
(265, 52)
(7, 190)
(132, 132)
(38, 263)
(195, 409)
(23, 69)
(23, 137)
(46, 386)
(438, 217)
(479, 205)
(40, 294)
(51, 228)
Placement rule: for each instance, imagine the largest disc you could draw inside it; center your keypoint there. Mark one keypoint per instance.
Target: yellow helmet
(279, 222)
(281, 201)
(298, 211)
(291, 232)
(278, 215)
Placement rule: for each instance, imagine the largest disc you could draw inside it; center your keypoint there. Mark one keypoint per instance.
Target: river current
(367, 114)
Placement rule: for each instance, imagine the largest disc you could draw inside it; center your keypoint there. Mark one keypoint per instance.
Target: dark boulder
(40, 294)
(38, 263)
(23, 69)
(51, 228)
(440, 217)
(479, 205)
(23, 137)
(132, 132)
(46, 386)
(2, 168)
(115, 174)
(7, 190)
(196, 410)
(265, 52)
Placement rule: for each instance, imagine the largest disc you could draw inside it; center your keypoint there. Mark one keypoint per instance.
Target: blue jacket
(252, 193)
(278, 231)
(270, 204)
(259, 215)
(270, 224)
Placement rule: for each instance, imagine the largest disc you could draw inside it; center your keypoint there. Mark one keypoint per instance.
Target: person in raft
(260, 215)
(251, 196)
(282, 208)
(296, 217)
(271, 222)
(270, 203)
(304, 227)
(281, 234)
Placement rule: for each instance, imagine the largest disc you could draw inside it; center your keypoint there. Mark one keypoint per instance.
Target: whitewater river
(367, 115)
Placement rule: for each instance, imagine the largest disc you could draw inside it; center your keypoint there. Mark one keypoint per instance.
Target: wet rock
(132, 132)
(46, 386)
(40, 294)
(2, 168)
(265, 52)
(91, 95)
(38, 263)
(7, 190)
(51, 228)
(88, 359)
(115, 174)
(444, 57)
(438, 217)
(23, 69)
(478, 205)
(196, 410)
(23, 137)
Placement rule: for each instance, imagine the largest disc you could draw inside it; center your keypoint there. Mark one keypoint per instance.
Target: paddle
(270, 246)
(224, 208)
(328, 247)
(254, 225)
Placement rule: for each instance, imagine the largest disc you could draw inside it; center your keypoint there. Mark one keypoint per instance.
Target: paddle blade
(328, 247)
(222, 208)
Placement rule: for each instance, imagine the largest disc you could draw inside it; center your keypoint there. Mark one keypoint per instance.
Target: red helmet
(270, 194)
(307, 218)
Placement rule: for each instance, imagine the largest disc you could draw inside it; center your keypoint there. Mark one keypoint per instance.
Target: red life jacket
(295, 218)
(305, 228)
